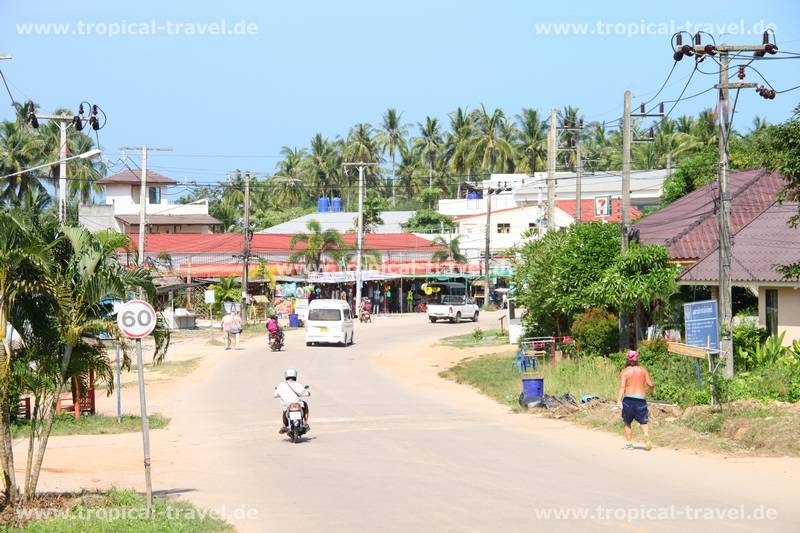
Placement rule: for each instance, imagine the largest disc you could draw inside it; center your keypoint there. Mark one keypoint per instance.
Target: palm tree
(19, 150)
(458, 148)
(429, 144)
(85, 273)
(289, 185)
(451, 251)
(570, 119)
(318, 243)
(759, 124)
(531, 140)
(489, 146)
(392, 137)
(362, 147)
(24, 263)
(322, 162)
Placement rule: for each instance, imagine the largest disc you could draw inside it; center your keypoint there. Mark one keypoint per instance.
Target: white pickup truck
(453, 308)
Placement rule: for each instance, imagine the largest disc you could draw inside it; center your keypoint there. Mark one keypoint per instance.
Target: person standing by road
(227, 325)
(410, 301)
(632, 398)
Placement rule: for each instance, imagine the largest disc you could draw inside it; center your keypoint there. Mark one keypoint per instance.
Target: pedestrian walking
(227, 325)
(634, 382)
(236, 330)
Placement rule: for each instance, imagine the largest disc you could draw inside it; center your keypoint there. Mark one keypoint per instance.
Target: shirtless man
(632, 397)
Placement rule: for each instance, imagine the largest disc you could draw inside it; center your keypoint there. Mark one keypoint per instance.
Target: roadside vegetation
(67, 424)
(478, 337)
(117, 511)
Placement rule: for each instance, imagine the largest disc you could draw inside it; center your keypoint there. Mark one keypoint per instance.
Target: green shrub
(477, 334)
(776, 382)
(596, 331)
(747, 336)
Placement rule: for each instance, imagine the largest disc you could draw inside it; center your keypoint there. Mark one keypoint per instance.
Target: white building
(514, 190)
(120, 208)
(342, 221)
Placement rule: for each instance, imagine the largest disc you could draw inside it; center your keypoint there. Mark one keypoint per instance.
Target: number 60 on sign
(136, 319)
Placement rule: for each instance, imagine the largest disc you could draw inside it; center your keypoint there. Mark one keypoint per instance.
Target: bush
(747, 336)
(596, 331)
(477, 334)
(771, 383)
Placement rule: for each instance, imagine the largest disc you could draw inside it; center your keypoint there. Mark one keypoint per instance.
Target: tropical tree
(429, 144)
(227, 289)
(490, 147)
(449, 250)
(19, 150)
(458, 147)
(531, 141)
(288, 185)
(317, 244)
(392, 139)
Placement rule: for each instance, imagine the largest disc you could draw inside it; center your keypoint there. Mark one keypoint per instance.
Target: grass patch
(744, 428)
(478, 337)
(66, 424)
(495, 376)
(171, 369)
(119, 511)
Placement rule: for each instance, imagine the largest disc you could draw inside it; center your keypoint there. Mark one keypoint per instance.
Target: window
(154, 195)
(772, 311)
(328, 315)
(504, 228)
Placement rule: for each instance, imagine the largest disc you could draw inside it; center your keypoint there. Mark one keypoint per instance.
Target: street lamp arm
(86, 155)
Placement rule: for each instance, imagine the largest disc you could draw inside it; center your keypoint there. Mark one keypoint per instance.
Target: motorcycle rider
(273, 328)
(290, 391)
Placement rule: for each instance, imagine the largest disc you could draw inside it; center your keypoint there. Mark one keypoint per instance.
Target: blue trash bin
(532, 390)
(294, 322)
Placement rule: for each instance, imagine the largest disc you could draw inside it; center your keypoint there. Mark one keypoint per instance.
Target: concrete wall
(788, 311)
(97, 217)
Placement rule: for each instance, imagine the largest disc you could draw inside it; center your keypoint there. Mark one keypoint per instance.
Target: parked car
(452, 303)
(329, 321)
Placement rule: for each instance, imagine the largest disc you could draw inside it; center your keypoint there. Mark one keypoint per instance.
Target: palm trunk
(48, 424)
(6, 449)
(31, 446)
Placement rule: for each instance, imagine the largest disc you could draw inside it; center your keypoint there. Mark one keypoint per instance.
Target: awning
(348, 276)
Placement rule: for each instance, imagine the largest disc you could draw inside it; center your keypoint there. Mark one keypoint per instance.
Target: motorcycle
(297, 426)
(365, 313)
(276, 341)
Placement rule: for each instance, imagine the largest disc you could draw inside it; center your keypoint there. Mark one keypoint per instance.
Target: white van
(329, 321)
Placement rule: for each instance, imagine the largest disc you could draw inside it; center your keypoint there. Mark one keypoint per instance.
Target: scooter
(276, 341)
(365, 313)
(297, 426)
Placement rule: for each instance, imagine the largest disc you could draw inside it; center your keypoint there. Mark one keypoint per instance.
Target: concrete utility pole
(759, 50)
(360, 229)
(246, 245)
(64, 121)
(577, 130)
(488, 250)
(143, 195)
(626, 169)
(552, 151)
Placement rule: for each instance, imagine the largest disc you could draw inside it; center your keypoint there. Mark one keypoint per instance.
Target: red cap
(633, 355)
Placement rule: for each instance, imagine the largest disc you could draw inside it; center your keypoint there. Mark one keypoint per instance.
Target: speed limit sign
(136, 319)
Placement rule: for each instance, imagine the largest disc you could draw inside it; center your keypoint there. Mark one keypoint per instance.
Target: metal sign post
(119, 385)
(137, 319)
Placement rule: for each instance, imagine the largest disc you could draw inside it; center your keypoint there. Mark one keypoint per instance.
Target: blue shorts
(634, 409)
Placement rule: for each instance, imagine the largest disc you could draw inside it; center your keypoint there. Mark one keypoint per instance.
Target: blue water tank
(323, 205)
(472, 195)
(337, 205)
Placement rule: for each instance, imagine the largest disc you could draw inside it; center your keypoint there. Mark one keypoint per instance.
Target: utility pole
(246, 245)
(488, 251)
(626, 169)
(699, 51)
(143, 196)
(552, 151)
(360, 229)
(625, 201)
(64, 121)
(577, 131)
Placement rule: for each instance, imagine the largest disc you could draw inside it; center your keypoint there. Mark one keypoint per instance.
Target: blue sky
(315, 65)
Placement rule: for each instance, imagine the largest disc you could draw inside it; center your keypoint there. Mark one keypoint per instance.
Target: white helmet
(290, 373)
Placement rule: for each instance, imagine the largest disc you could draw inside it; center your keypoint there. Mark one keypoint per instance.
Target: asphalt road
(395, 448)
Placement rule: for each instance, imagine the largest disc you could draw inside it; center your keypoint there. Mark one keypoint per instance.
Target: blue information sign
(702, 324)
